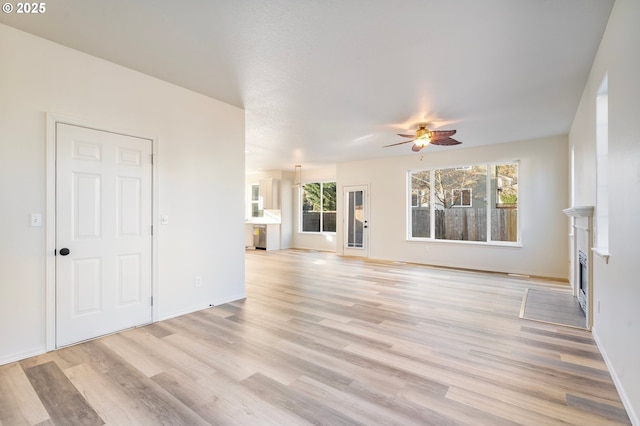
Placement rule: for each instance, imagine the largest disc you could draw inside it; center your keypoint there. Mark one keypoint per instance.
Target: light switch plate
(36, 220)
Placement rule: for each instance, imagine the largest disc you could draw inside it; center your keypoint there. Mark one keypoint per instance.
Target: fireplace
(583, 280)
(581, 241)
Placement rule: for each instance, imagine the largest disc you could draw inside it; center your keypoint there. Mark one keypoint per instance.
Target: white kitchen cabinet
(270, 239)
(270, 194)
(273, 237)
(248, 235)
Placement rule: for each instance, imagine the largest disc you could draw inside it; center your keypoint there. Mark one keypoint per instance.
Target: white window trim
(515, 244)
(601, 217)
(300, 215)
(461, 190)
(258, 202)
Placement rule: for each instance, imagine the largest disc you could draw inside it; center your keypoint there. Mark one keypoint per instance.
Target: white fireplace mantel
(579, 211)
(581, 241)
(586, 212)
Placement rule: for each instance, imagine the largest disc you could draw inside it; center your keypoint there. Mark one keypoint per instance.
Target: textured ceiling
(329, 81)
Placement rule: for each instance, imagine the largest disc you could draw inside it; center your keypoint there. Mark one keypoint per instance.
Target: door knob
(64, 251)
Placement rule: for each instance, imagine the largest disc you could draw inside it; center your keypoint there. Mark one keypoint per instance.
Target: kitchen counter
(269, 217)
(262, 221)
(272, 237)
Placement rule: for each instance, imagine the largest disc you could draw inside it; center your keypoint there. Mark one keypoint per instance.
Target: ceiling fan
(424, 137)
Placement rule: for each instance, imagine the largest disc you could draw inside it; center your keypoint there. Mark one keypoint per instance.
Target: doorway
(356, 226)
(100, 231)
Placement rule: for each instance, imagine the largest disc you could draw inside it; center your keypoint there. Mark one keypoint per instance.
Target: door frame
(50, 219)
(353, 251)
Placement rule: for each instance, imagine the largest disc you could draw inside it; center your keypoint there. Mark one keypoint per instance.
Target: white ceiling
(329, 81)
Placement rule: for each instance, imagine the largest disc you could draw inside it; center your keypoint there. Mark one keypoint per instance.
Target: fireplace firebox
(583, 279)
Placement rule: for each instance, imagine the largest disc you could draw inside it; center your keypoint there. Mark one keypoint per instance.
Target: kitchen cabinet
(270, 194)
(248, 235)
(264, 236)
(272, 237)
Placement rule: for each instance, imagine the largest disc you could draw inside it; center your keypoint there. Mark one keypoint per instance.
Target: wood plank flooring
(328, 340)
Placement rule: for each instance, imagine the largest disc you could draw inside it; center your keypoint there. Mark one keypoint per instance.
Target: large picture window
(318, 207)
(471, 203)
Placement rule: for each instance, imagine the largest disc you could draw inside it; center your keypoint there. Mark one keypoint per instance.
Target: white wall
(286, 203)
(616, 284)
(306, 240)
(200, 165)
(543, 195)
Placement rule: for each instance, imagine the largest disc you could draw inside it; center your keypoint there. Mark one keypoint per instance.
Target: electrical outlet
(197, 281)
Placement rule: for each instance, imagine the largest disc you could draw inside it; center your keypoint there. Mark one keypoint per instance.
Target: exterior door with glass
(356, 226)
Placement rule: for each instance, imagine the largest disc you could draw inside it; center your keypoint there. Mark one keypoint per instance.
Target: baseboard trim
(22, 355)
(635, 420)
(39, 351)
(229, 299)
(200, 307)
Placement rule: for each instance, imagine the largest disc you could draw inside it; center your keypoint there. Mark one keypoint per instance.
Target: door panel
(129, 283)
(87, 286)
(129, 208)
(356, 221)
(355, 227)
(103, 216)
(86, 209)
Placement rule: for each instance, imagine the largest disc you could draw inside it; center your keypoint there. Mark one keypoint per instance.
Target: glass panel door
(355, 224)
(355, 220)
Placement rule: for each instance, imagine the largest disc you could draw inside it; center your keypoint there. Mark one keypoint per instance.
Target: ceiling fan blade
(404, 135)
(416, 148)
(445, 142)
(399, 143)
(441, 134)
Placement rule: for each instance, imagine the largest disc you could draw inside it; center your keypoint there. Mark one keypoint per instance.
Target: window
(319, 207)
(355, 218)
(420, 198)
(602, 169)
(256, 210)
(487, 193)
(504, 202)
(461, 197)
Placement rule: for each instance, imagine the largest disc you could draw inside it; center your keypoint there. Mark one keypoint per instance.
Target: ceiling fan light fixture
(423, 133)
(423, 137)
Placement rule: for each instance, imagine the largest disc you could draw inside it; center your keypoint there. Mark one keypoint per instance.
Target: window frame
(322, 211)
(461, 191)
(601, 224)
(255, 203)
(489, 165)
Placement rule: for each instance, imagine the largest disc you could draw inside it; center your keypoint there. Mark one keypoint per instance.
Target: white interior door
(356, 226)
(103, 233)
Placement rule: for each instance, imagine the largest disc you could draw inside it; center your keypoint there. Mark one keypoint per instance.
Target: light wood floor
(327, 340)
